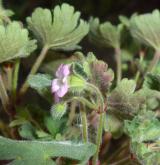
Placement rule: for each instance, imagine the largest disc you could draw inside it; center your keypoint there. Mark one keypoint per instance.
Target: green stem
(138, 71)
(84, 101)
(15, 78)
(154, 61)
(72, 112)
(35, 68)
(84, 123)
(3, 95)
(99, 137)
(101, 121)
(98, 93)
(9, 72)
(119, 64)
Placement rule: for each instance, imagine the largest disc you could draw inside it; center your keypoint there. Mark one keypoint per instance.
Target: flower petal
(62, 90)
(62, 71)
(55, 85)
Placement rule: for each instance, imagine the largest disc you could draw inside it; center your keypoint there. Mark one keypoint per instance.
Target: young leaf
(54, 126)
(145, 28)
(43, 152)
(60, 29)
(102, 76)
(106, 34)
(124, 101)
(58, 110)
(14, 42)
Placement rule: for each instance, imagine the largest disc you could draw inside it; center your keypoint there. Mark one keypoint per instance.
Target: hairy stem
(84, 101)
(99, 137)
(72, 112)
(101, 121)
(84, 123)
(15, 78)
(35, 68)
(154, 61)
(3, 95)
(119, 64)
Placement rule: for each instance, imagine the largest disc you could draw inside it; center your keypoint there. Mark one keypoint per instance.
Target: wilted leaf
(60, 29)
(42, 152)
(14, 42)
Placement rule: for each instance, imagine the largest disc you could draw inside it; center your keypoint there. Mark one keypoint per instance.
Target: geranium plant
(73, 108)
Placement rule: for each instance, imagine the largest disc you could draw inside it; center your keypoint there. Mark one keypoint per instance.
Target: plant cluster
(71, 106)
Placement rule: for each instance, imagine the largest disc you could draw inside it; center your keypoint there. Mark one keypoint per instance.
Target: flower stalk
(3, 95)
(84, 123)
(154, 61)
(101, 121)
(119, 64)
(15, 78)
(138, 71)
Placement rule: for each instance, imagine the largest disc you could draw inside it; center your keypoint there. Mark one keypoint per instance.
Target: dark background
(105, 9)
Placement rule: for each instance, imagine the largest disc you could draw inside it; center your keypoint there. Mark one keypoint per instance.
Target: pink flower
(60, 84)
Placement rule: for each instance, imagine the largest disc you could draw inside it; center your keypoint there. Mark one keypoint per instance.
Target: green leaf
(60, 29)
(39, 81)
(4, 13)
(58, 110)
(78, 70)
(114, 125)
(125, 20)
(42, 84)
(77, 84)
(145, 137)
(105, 34)
(17, 122)
(144, 127)
(42, 152)
(53, 125)
(124, 101)
(145, 28)
(14, 42)
(27, 131)
(152, 81)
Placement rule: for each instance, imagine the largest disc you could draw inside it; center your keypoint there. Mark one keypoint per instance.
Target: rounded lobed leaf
(14, 42)
(146, 29)
(59, 29)
(105, 34)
